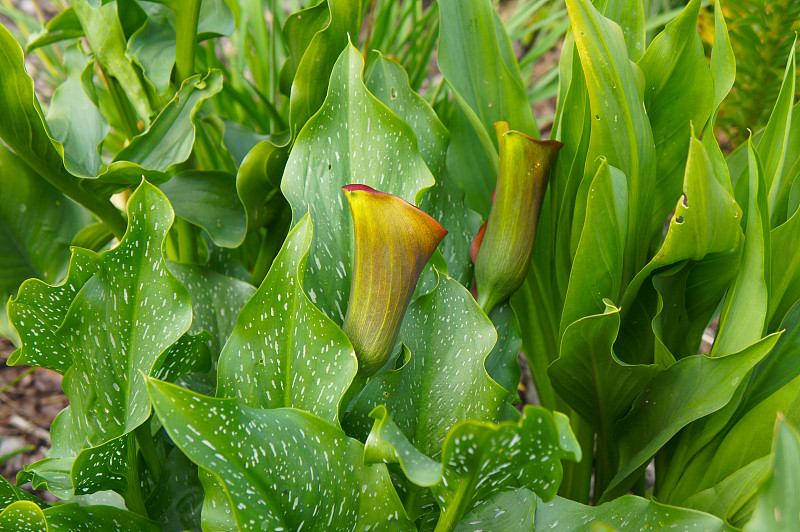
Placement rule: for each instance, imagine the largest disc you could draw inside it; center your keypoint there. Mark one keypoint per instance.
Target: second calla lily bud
(503, 247)
(393, 242)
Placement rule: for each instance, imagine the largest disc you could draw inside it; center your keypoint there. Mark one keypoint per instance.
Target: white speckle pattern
(281, 467)
(284, 351)
(353, 138)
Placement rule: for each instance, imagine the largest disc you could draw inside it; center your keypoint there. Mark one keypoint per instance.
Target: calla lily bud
(393, 242)
(502, 250)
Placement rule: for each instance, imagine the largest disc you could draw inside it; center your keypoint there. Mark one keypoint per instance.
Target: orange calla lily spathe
(502, 250)
(393, 242)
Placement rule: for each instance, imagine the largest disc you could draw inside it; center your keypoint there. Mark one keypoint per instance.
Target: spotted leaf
(25, 516)
(281, 468)
(480, 459)
(354, 138)
(283, 350)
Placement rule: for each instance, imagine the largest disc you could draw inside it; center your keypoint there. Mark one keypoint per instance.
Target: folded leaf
(280, 467)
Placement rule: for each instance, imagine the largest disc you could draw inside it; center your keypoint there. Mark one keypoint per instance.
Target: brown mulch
(29, 400)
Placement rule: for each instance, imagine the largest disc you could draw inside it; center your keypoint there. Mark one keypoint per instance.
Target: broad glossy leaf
(388, 82)
(74, 119)
(23, 130)
(675, 398)
(620, 129)
(596, 272)
(9, 493)
(280, 467)
(444, 380)
(313, 70)
(510, 510)
(473, 49)
(104, 32)
(723, 63)
(775, 140)
(37, 224)
(298, 32)
(65, 25)
(743, 315)
(170, 138)
(216, 300)
(283, 351)
(502, 364)
(25, 516)
(630, 15)
(625, 514)
(728, 497)
(590, 377)
(208, 199)
(353, 139)
(784, 279)
(177, 498)
(778, 508)
(704, 230)
(258, 180)
(679, 92)
(480, 459)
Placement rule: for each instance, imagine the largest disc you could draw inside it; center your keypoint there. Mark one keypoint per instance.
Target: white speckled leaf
(444, 381)
(624, 514)
(283, 351)
(282, 468)
(481, 459)
(510, 510)
(39, 309)
(216, 301)
(388, 81)
(9, 493)
(354, 138)
(25, 516)
(119, 323)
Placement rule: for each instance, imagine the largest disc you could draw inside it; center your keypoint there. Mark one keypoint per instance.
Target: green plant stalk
(133, 496)
(187, 240)
(577, 479)
(186, 17)
(148, 449)
(449, 519)
(16, 381)
(127, 116)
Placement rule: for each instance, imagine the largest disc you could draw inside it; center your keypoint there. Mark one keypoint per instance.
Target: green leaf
(353, 139)
(388, 82)
(25, 516)
(208, 199)
(778, 508)
(9, 493)
(74, 119)
(258, 180)
(480, 459)
(627, 513)
(591, 378)
(170, 138)
(723, 63)
(281, 467)
(216, 300)
(510, 510)
(108, 43)
(313, 72)
(620, 129)
(629, 14)
(473, 49)
(732, 494)
(502, 364)
(744, 310)
(37, 224)
(65, 25)
(675, 398)
(283, 351)
(679, 92)
(178, 497)
(704, 231)
(444, 379)
(23, 130)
